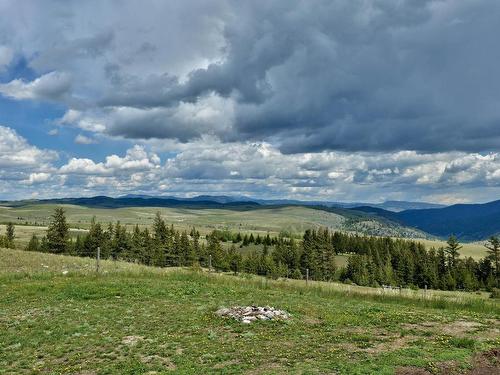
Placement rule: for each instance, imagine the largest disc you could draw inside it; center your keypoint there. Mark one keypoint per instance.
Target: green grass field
(58, 317)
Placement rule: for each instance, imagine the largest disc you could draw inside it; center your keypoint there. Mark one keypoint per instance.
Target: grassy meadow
(273, 220)
(58, 317)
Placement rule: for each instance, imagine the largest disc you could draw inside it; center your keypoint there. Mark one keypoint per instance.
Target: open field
(293, 219)
(133, 319)
(476, 250)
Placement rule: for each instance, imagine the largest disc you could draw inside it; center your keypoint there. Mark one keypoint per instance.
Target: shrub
(495, 293)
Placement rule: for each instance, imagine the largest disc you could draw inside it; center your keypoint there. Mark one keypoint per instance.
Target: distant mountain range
(395, 206)
(469, 222)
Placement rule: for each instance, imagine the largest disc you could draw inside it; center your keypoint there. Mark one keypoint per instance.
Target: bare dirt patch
(388, 344)
(485, 363)
(225, 364)
(164, 362)
(132, 340)
(460, 327)
(312, 321)
(411, 371)
(457, 328)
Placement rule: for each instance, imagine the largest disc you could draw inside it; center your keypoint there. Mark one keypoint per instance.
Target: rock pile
(249, 314)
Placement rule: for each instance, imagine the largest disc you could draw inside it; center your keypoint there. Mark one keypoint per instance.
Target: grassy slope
(133, 319)
(293, 219)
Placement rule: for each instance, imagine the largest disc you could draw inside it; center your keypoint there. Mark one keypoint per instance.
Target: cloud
(361, 99)
(36, 178)
(258, 169)
(16, 152)
(136, 159)
(83, 166)
(6, 57)
(50, 86)
(305, 76)
(84, 140)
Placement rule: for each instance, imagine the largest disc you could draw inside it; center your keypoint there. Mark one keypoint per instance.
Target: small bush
(495, 293)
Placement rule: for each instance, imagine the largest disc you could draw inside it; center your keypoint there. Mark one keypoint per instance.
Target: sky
(335, 100)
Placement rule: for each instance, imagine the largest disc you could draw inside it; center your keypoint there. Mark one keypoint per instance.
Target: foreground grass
(133, 320)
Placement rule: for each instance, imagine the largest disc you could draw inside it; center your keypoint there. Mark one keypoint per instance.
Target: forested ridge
(372, 261)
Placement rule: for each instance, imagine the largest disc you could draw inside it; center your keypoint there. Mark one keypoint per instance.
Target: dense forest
(373, 261)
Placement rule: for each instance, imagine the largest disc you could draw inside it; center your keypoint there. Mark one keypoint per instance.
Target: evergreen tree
(234, 260)
(34, 244)
(214, 248)
(9, 235)
(246, 240)
(58, 232)
(160, 230)
(93, 240)
(452, 249)
(120, 243)
(78, 246)
(493, 247)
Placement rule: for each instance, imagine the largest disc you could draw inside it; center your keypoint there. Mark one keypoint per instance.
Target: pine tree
(493, 247)
(452, 250)
(160, 230)
(186, 253)
(234, 260)
(34, 244)
(214, 248)
(246, 241)
(79, 247)
(120, 243)
(10, 235)
(93, 239)
(307, 260)
(58, 233)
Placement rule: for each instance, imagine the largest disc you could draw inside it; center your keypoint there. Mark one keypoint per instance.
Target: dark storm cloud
(345, 75)
(305, 75)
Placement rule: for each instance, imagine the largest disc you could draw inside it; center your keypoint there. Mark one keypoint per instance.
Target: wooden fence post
(98, 258)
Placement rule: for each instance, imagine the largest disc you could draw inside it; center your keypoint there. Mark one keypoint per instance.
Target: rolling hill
(466, 221)
(469, 222)
(395, 206)
(206, 215)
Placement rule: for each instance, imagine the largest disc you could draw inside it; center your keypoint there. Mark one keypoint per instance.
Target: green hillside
(293, 219)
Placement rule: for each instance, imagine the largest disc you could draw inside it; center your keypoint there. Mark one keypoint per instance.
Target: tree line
(385, 261)
(372, 261)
